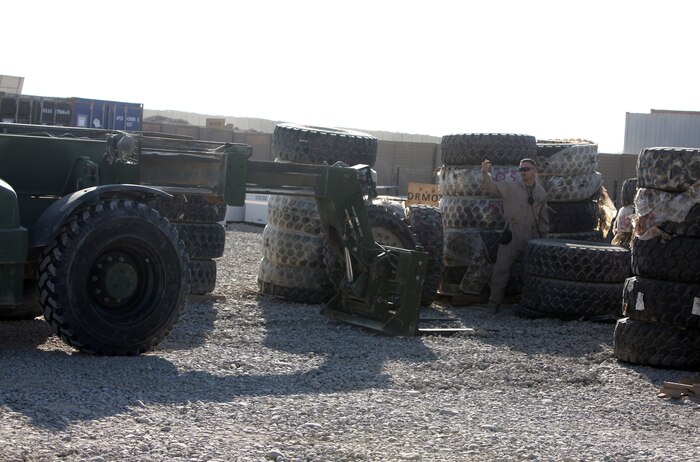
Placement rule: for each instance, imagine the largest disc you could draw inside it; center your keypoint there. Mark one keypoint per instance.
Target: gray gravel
(249, 378)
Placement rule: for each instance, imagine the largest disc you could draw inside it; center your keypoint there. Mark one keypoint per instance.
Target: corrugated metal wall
(661, 129)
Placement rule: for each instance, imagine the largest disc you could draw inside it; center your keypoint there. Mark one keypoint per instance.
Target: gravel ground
(249, 378)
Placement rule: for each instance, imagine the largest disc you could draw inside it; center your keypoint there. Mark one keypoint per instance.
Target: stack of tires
(197, 220)
(661, 301)
(567, 171)
(292, 266)
(472, 219)
(622, 229)
(570, 279)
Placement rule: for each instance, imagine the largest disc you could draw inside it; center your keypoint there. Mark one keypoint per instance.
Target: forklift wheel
(114, 280)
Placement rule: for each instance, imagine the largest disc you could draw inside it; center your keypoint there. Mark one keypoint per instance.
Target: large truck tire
(202, 276)
(472, 212)
(677, 259)
(571, 188)
(589, 236)
(566, 157)
(316, 145)
(573, 217)
(499, 148)
(426, 223)
(460, 244)
(689, 227)
(295, 213)
(577, 260)
(202, 240)
(668, 169)
(629, 190)
(292, 248)
(294, 283)
(571, 299)
(114, 280)
(657, 345)
(661, 302)
(195, 208)
(466, 180)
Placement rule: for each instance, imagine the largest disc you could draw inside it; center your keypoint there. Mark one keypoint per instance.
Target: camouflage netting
(655, 207)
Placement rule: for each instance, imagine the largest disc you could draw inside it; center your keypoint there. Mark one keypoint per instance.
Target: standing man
(525, 209)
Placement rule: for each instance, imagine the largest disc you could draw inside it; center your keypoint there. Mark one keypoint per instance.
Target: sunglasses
(525, 169)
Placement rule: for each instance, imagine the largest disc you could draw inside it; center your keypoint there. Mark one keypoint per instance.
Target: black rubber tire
(459, 248)
(571, 299)
(472, 212)
(573, 217)
(452, 278)
(94, 248)
(195, 208)
(629, 190)
(499, 148)
(657, 345)
(668, 169)
(426, 222)
(29, 309)
(677, 259)
(316, 145)
(466, 181)
(689, 227)
(294, 213)
(203, 276)
(571, 188)
(292, 248)
(298, 284)
(589, 236)
(202, 240)
(581, 261)
(566, 157)
(661, 302)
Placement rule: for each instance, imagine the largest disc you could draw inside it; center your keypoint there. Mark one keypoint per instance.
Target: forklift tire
(426, 223)
(202, 276)
(656, 345)
(669, 169)
(316, 145)
(202, 240)
(195, 208)
(499, 148)
(114, 280)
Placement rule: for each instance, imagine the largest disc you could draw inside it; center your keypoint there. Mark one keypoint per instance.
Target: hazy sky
(551, 69)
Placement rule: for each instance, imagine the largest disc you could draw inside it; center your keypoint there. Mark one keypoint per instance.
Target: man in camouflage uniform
(525, 210)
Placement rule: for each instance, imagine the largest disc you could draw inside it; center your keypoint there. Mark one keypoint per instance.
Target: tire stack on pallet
(567, 171)
(570, 279)
(197, 220)
(662, 300)
(472, 219)
(292, 266)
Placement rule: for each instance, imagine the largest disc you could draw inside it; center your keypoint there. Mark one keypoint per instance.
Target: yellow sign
(422, 193)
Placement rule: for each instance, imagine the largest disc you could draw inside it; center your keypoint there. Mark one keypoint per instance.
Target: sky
(550, 69)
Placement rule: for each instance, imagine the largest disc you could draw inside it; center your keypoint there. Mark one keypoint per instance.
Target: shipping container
(71, 112)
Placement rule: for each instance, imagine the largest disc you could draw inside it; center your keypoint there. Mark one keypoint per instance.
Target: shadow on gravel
(55, 388)
(23, 334)
(196, 322)
(548, 336)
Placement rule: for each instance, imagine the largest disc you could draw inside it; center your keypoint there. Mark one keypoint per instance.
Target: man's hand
(485, 166)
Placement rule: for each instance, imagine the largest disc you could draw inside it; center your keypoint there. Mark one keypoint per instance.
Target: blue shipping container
(111, 115)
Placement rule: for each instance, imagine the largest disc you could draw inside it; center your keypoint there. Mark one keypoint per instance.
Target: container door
(82, 113)
(133, 117)
(63, 112)
(119, 116)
